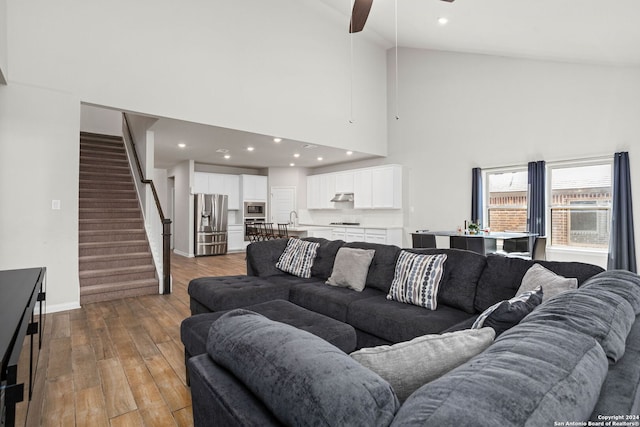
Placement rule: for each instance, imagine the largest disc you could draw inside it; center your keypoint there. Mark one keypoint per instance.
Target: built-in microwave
(254, 209)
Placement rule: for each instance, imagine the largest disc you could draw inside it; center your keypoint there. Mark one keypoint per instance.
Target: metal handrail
(166, 222)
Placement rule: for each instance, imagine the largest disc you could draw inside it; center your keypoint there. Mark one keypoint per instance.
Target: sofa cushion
(263, 256)
(294, 373)
(383, 264)
(595, 312)
(228, 292)
(350, 268)
(409, 365)
(619, 393)
(552, 283)
(325, 256)
(395, 321)
(417, 279)
(328, 300)
(532, 375)
(620, 282)
(297, 257)
(195, 329)
(506, 314)
(502, 277)
(461, 274)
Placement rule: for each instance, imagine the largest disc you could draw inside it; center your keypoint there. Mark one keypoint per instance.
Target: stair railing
(166, 222)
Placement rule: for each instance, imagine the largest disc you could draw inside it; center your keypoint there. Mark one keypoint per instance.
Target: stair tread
(118, 286)
(119, 230)
(118, 270)
(92, 245)
(111, 257)
(107, 220)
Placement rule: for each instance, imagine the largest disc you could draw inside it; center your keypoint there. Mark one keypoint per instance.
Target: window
(506, 200)
(580, 204)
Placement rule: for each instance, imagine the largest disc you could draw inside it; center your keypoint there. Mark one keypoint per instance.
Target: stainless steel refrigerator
(210, 224)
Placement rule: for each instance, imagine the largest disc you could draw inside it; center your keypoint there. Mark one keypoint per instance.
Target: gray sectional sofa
(575, 357)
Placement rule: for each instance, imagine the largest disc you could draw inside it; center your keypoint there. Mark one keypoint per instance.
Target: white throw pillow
(350, 268)
(409, 365)
(552, 283)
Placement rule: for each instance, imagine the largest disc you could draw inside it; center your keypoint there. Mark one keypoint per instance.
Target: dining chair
(283, 231)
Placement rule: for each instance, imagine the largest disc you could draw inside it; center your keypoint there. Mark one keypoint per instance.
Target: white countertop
(381, 227)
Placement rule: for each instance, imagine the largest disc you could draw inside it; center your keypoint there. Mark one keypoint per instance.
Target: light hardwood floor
(121, 363)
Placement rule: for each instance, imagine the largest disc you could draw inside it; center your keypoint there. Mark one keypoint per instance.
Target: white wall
(4, 63)
(278, 67)
(461, 110)
(183, 215)
(39, 157)
(100, 120)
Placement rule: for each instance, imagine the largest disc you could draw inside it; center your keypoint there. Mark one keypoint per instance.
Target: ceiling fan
(360, 13)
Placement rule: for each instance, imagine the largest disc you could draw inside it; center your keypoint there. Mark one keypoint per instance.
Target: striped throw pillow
(297, 258)
(417, 279)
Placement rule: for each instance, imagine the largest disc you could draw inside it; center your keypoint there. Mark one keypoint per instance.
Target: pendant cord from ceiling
(396, 24)
(351, 119)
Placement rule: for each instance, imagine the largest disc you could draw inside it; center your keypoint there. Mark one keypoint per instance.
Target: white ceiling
(203, 142)
(600, 31)
(592, 31)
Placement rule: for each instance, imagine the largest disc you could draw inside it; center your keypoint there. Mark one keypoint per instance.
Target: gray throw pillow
(552, 283)
(350, 268)
(409, 365)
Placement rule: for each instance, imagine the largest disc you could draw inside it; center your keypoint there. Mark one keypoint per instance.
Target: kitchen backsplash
(366, 217)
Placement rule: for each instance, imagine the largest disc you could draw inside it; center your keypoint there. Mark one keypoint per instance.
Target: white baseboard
(54, 308)
(184, 254)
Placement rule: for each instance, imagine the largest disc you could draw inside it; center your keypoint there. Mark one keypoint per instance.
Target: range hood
(343, 197)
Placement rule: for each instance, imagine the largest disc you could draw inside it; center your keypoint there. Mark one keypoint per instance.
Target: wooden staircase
(115, 259)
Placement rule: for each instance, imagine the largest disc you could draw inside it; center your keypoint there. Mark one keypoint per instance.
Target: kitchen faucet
(295, 221)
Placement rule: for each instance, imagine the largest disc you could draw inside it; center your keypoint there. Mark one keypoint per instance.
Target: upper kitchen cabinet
(373, 188)
(254, 188)
(344, 182)
(320, 191)
(218, 183)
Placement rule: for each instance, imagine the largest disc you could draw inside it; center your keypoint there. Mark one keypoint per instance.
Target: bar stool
(252, 232)
(267, 233)
(283, 231)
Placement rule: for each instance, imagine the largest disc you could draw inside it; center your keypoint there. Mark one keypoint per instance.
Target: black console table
(22, 315)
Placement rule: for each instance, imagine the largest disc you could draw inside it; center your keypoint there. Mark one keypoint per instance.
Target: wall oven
(254, 210)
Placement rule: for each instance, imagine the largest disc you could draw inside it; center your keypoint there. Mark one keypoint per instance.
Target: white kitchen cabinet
(254, 188)
(231, 184)
(218, 183)
(313, 192)
(373, 188)
(339, 233)
(326, 233)
(235, 238)
(386, 184)
(362, 189)
(344, 182)
(375, 235)
(354, 235)
(200, 182)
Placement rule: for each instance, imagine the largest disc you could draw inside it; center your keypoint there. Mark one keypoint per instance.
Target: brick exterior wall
(507, 211)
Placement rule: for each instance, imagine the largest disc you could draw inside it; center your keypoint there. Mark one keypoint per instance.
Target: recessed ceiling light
(349, 153)
(250, 148)
(296, 155)
(443, 21)
(277, 139)
(320, 159)
(292, 164)
(227, 156)
(182, 145)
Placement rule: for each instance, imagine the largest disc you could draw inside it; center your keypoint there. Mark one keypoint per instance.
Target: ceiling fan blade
(450, 1)
(359, 15)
